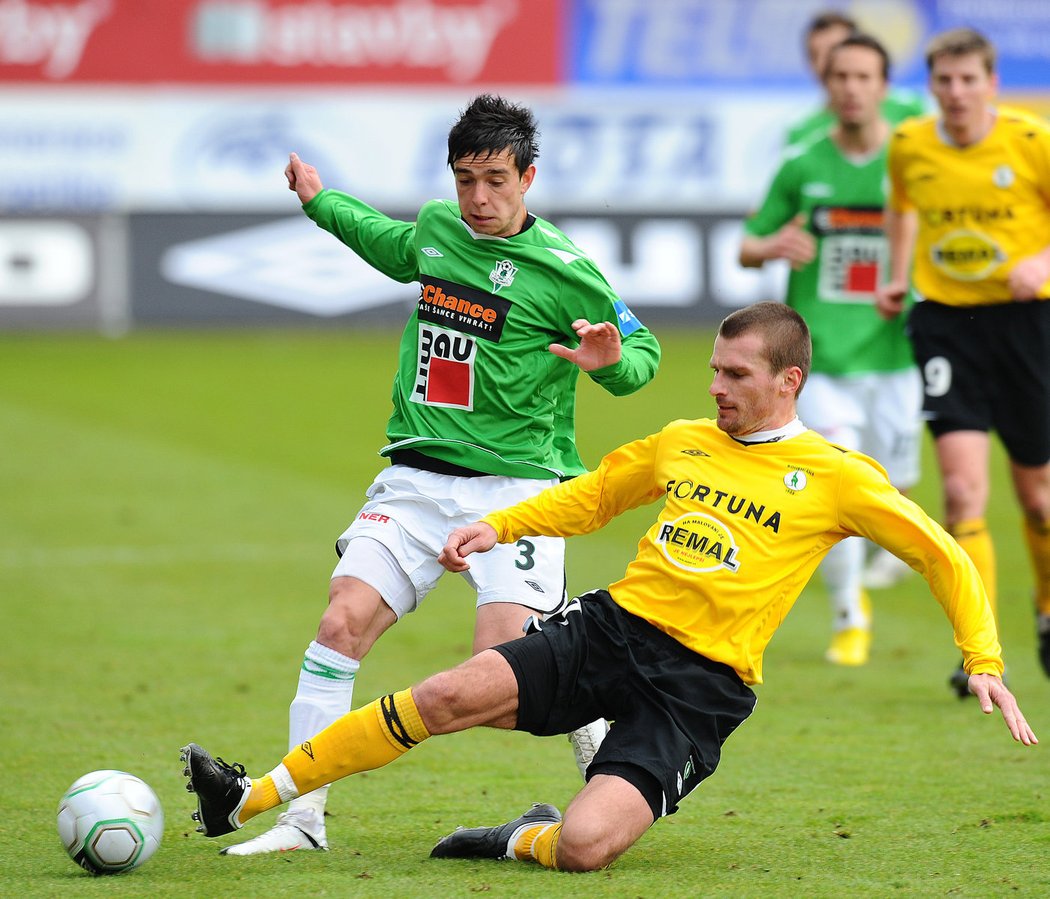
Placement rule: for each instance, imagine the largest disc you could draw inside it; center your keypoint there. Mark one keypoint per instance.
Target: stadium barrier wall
(113, 272)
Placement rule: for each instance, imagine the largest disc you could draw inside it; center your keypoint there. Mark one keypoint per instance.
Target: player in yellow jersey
(969, 222)
(749, 504)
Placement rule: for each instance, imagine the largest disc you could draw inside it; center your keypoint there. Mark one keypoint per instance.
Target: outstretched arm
(600, 345)
(991, 692)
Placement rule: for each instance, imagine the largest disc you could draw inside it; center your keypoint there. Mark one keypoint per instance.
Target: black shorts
(987, 368)
(671, 709)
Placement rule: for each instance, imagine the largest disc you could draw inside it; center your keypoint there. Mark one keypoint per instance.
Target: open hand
(991, 692)
(600, 345)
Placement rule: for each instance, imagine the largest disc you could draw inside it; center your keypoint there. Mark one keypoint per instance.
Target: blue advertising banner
(759, 43)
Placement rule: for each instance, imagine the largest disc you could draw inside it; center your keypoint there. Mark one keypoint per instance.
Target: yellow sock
(539, 843)
(974, 538)
(262, 798)
(1037, 535)
(366, 738)
(370, 737)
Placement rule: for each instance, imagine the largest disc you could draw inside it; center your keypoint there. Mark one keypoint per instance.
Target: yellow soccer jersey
(741, 530)
(981, 208)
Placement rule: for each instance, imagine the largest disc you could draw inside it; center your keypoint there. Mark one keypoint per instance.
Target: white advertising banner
(136, 149)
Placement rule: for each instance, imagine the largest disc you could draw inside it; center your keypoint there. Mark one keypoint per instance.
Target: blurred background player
(970, 201)
(823, 214)
(483, 416)
(825, 30)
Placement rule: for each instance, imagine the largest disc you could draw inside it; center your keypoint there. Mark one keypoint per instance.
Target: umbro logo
(308, 749)
(696, 452)
(431, 251)
(535, 586)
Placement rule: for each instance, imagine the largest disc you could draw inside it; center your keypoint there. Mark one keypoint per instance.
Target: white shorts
(393, 543)
(877, 414)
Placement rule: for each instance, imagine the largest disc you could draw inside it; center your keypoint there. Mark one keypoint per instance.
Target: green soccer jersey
(898, 106)
(842, 201)
(476, 385)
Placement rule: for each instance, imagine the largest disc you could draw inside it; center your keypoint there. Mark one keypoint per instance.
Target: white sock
(324, 694)
(842, 570)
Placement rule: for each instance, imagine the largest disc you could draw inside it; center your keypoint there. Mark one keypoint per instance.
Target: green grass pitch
(168, 505)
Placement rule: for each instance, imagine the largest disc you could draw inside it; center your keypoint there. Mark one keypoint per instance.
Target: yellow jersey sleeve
(622, 481)
(880, 513)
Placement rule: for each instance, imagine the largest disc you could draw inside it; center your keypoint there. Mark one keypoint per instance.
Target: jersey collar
(792, 429)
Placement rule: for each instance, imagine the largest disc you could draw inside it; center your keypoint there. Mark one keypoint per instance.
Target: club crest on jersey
(795, 480)
(697, 542)
(1003, 176)
(503, 274)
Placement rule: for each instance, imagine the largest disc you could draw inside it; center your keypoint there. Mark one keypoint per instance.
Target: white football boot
(295, 829)
(585, 742)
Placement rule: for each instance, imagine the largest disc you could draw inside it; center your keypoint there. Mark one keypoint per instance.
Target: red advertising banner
(246, 42)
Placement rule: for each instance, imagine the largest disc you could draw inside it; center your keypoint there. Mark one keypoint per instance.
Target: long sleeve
(880, 513)
(623, 480)
(384, 243)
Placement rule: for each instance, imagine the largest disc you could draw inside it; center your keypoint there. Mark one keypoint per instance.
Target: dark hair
(830, 19)
(961, 42)
(490, 125)
(860, 40)
(783, 331)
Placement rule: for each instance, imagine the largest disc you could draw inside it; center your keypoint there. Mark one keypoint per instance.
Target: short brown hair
(830, 19)
(961, 42)
(783, 331)
(869, 43)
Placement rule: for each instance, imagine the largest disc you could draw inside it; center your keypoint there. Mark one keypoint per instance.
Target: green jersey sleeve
(386, 244)
(781, 203)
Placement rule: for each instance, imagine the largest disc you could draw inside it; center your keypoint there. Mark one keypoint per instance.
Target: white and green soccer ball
(110, 821)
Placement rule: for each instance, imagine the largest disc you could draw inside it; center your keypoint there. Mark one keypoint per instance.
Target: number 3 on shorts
(526, 560)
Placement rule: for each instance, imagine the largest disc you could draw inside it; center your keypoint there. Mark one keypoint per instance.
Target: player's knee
(440, 700)
(584, 847)
(1034, 498)
(964, 497)
(344, 624)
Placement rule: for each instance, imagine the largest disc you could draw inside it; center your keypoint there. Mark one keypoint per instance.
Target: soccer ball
(110, 821)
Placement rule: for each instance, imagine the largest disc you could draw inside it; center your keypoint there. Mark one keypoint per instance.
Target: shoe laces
(236, 769)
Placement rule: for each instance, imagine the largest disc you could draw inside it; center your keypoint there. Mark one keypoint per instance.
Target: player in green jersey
(823, 213)
(509, 312)
(826, 29)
